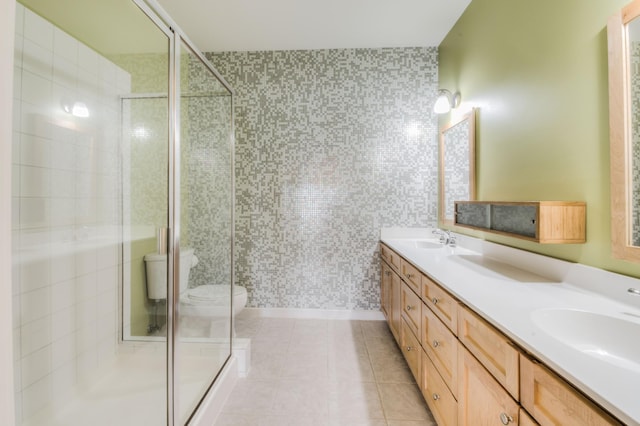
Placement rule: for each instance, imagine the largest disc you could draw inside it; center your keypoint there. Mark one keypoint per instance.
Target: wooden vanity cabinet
(552, 401)
(492, 348)
(469, 372)
(481, 399)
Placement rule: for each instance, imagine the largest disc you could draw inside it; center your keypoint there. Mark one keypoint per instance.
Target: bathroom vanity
(496, 335)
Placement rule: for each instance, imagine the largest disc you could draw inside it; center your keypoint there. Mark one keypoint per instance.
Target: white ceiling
(248, 25)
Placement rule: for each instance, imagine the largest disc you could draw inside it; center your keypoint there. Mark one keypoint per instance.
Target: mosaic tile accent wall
(331, 145)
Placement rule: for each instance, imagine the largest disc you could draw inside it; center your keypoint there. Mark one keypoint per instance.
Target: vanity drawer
(552, 401)
(411, 309)
(441, 401)
(442, 303)
(442, 347)
(410, 275)
(492, 349)
(390, 256)
(411, 350)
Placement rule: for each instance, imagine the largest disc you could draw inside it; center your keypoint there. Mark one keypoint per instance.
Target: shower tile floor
(323, 373)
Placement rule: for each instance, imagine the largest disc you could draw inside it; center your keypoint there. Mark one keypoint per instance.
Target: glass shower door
(204, 329)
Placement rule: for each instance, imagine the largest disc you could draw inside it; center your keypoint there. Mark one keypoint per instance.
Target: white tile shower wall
(331, 146)
(66, 216)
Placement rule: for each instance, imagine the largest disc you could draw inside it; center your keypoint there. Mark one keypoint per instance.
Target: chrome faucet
(446, 237)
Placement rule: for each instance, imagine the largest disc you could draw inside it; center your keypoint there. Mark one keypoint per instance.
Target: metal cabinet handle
(409, 348)
(505, 418)
(409, 307)
(436, 343)
(435, 300)
(408, 275)
(634, 291)
(435, 397)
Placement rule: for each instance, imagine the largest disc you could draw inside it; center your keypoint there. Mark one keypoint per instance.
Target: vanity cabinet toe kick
(468, 371)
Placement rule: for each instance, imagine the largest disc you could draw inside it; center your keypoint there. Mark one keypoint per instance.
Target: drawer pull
(435, 397)
(387, 273)
(408, 275)
(435, 300)
(436, 343)
(409, 348)
(505, 418)
(409, 307)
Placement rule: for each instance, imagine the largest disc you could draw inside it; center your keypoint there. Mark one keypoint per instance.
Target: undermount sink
(610, 339)
(427, 244)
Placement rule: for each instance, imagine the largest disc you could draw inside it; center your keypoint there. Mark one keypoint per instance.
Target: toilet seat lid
(212, 292)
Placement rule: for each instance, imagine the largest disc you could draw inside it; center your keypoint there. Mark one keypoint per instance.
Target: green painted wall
(537, 71)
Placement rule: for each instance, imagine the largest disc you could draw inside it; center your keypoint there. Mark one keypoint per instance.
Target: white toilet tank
(156, 271)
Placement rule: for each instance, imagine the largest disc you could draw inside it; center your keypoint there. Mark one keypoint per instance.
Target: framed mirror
(456, 167)
(623, 32)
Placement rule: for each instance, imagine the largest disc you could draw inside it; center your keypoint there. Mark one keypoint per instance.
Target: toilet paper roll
(161, 240)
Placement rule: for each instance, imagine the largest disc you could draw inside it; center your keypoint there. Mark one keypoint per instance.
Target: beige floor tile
(294, 420)
(411, 423)
(350, 367)
(301, 397)
(354, 401)
(250, 396)
(324, 373)
(390, 367)
(402, 401)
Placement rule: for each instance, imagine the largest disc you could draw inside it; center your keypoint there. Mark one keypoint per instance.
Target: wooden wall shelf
(544, 222)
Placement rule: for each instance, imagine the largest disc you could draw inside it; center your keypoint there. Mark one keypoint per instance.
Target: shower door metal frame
(176, 37)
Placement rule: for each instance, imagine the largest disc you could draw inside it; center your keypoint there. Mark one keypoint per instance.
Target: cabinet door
(441, 303)
(492, 348)
(442, 348)
(385, 289)
(396, 306)
(441, 401)
(551, 401)
(481, 399)
(411, 350)
(412, 309)
(526, 420)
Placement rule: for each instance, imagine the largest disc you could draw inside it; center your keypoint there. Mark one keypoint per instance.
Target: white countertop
(523, 293)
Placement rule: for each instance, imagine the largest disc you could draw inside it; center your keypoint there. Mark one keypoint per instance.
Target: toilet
(205, 301)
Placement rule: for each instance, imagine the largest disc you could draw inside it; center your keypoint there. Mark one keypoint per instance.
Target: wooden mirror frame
(470, 117)
(620, 133)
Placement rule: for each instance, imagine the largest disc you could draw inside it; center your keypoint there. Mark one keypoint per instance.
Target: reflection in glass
(633, 29)
(457, 165)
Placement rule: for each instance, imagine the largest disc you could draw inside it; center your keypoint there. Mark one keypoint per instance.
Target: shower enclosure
(122, 151)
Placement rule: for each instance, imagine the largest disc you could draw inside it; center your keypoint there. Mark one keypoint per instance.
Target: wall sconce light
(446, 101)
(77, 109)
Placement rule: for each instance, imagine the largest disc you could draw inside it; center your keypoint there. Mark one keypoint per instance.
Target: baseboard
(332, 314)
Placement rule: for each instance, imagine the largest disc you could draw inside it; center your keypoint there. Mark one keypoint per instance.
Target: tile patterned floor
(323, 373)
